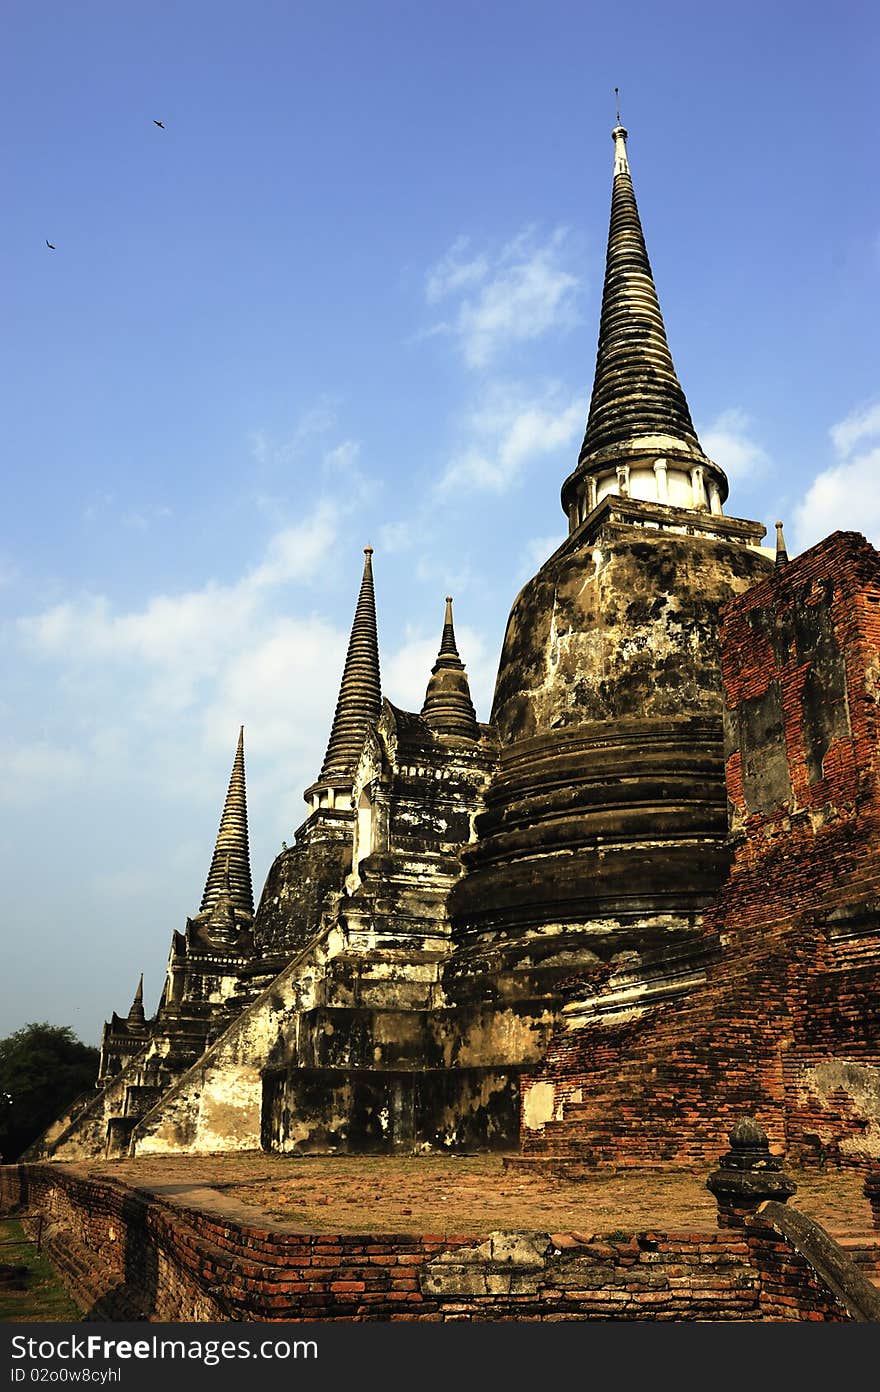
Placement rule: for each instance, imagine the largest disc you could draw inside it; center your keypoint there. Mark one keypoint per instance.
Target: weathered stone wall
(299, 880)
(786, 1027)
(604, 829)
(125, 1254)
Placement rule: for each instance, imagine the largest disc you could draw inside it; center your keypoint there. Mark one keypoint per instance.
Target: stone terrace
(467, 1196)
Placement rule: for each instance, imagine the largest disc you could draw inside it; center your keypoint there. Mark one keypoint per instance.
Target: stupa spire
(136, 1012)
(638, 412)
(448, 708)
(360, 692)
(781, 549)
(230, 874)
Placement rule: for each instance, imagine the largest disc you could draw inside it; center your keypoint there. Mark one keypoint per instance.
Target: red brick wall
(787, 1026)
(126, 1254)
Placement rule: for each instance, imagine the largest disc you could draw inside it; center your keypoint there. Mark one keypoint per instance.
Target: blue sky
(349, 295)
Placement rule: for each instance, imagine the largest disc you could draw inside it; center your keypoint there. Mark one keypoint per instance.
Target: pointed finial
(448, 708)
(618, 135)
(230, 871)
(360, 698)
(617, 103)
(781, 552)
(136, 1013)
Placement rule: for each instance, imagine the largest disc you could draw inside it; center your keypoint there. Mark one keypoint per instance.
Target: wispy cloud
(521, 292)
(863, 424)
(845, 496)
(538, 550)
(32, 770)
(506, 432)
(141, 519)
(456, 271)
(729, 441)
(177, 642)
(313, 423)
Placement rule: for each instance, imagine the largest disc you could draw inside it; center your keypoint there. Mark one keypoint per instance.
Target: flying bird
(50, 245)
(158, 123)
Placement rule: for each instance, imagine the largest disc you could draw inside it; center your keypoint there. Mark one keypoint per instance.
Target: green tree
(42, 1068)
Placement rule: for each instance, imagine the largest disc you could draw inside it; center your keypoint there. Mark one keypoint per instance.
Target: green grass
(44, 1298)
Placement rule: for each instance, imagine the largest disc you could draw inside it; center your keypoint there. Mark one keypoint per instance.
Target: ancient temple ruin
(638, 901)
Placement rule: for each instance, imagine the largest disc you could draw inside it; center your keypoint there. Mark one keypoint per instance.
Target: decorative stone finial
(136, 1014)
(619, 135)
(747, 1175)
(448, 708)
(781, 552)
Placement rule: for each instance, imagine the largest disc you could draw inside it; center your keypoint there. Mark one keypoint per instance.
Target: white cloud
(859, 425)
(522, 293)
(538, 550)
(453, 272)
(312, 423)
(295, 552)
(142, 518)
(31, 771)
(728, 441)
(844, 497)
(176, 642)
(506, 433)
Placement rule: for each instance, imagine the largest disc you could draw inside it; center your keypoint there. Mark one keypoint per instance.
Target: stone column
(662, 478)
(747, 1175)
(623, 480)
(698, 489)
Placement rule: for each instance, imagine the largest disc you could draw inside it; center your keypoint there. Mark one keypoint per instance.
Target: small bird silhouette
(158, 123)
(50, 245)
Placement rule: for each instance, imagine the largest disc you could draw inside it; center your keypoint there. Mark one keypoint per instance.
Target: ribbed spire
(635, 390)
(231, 864)
(136, 1013)
(448, 708)
(781, 550)
(360, 695)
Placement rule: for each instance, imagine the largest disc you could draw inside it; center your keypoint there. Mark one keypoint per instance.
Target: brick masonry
(128, 1254)
(787, 1025)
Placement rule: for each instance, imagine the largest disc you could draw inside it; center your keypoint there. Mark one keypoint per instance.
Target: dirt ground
(466, 1196)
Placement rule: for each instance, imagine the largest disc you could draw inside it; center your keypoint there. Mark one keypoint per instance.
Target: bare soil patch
(466, 1196)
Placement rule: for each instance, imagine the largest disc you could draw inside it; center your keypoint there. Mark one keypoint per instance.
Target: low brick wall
(128, 1254)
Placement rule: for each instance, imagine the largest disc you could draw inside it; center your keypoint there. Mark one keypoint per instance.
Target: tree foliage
(42, 1068)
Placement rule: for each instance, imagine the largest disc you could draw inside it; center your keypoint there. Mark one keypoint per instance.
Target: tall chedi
(229, 878)
(359, 702)
(299, 881)
(206, 958)
(604, 831)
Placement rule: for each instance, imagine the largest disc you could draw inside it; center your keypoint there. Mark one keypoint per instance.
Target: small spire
(360, 692)
(136, 1013)
(447, 643)
(781, 552)
(230, 872)
(618, 135)
(448, 708)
